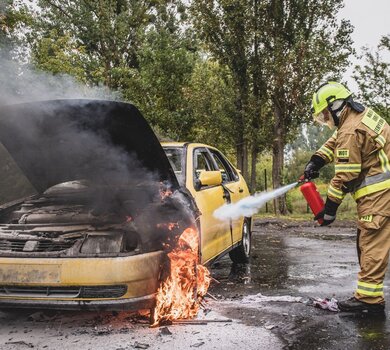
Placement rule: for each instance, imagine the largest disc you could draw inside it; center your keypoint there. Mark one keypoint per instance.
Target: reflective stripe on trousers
(369, 289)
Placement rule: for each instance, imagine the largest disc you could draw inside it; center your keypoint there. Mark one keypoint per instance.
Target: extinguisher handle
(302, 179)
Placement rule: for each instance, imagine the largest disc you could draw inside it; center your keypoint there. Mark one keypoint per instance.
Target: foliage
(373, 78)
(312, 137)
(166, 62)
(231, 30)
(264, 172)
(304, 43)
(60, 54)
(137, 48)
(277, 52)
(210, 94)
(12, 13)
(107, 35)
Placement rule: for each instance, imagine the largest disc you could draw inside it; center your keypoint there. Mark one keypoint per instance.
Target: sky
(371, 21)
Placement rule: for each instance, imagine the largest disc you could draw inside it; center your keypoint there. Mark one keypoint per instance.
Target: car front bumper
(133, 304)
(55, 282)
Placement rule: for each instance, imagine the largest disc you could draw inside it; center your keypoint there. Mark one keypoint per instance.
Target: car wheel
(242, 253)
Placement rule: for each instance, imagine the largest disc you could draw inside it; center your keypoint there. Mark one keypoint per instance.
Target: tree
(107, 34)
(6, 25)
(373, 78)
(229, 28)
(210, 95)
(139, 48)
(305, 43)
(12, 12)
(166, 61)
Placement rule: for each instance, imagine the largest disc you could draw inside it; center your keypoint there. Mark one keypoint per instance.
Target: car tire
(242, 253)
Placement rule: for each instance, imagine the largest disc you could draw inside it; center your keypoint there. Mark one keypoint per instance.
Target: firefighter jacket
(360, 148)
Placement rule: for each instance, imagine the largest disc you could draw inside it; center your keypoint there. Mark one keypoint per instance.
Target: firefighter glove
(328, 214)
(312, 168)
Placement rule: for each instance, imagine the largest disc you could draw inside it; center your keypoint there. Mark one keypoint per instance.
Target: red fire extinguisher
(313, 198)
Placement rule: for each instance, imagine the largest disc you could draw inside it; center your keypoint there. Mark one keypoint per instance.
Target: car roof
(182, 144)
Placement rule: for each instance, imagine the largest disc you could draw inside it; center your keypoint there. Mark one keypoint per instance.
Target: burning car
(89, 200)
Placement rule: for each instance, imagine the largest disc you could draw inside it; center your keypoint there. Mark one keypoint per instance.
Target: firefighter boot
(355, 305)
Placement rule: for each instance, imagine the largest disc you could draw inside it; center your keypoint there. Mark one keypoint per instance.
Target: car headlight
(109, 242)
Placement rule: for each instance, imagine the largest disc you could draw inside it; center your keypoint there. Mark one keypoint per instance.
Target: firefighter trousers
(373, 245)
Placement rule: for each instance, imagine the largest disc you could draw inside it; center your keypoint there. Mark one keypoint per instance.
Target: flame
(170, 225)
(165, 191)
(180, 294)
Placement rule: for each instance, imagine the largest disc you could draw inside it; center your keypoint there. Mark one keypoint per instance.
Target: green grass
(299, 209)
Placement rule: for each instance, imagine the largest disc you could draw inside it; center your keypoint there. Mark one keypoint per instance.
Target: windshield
(175, 156)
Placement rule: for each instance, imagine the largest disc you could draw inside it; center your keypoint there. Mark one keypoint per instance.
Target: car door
(215, 234)
(235, 189)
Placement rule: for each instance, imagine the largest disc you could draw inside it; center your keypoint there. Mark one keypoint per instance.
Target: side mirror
(209, 178)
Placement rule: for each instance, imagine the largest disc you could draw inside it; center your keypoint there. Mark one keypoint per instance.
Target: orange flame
(180, 294)
(165, 192)
(170, 226)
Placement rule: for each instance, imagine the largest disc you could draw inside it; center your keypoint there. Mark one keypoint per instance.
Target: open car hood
(63, 140)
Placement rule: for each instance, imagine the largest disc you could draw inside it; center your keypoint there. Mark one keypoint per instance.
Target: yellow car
(213, 181)
(88, 197)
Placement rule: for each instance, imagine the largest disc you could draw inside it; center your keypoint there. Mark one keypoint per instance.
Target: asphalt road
(302, 261)
(263, 305)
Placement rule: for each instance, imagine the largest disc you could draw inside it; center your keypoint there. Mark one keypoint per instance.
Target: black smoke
(107, 145)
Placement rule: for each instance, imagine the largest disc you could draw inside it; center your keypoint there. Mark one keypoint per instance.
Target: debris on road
(197, 345)
(326, 304)
(201, 322)
(20, 342)
(260, 298)
(165, 331)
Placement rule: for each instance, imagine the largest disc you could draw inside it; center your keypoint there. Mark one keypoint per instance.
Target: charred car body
(87, 195)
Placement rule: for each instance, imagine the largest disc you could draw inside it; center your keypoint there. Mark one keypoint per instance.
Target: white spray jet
(249, 205)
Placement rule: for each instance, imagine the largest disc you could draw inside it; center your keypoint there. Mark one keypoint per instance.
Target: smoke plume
(22, 83)
(63, 137)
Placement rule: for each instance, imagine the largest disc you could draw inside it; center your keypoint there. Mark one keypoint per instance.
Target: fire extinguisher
(313, 198)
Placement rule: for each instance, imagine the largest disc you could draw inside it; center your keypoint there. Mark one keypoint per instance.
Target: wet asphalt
(301, 260)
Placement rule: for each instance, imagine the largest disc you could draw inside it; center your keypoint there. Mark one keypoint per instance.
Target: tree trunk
(241, 142)
(280, 206)
(254, 154)
(242, 158)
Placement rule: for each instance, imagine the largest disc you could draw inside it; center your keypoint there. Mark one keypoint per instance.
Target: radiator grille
(84, 292)
(18, 245)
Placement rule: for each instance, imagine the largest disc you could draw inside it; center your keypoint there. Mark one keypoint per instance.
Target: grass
(299, 210)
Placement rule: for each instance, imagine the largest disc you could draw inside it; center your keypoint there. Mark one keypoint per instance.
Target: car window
(175, 156)
(202, 161)
(228, 172)
(13, 183)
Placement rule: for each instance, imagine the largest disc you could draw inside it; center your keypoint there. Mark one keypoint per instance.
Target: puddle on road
(267, 271)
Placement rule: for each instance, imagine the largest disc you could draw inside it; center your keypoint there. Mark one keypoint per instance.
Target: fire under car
(89, 199)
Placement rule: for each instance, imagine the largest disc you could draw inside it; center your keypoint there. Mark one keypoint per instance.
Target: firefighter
(360, 148)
